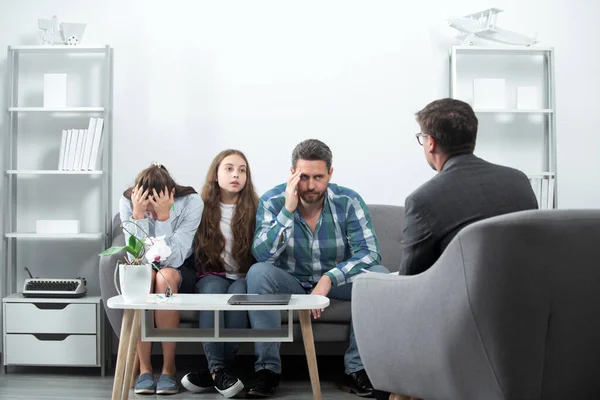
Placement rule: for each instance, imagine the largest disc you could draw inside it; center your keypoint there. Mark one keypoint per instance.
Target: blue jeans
(220, 355)
(265, 278)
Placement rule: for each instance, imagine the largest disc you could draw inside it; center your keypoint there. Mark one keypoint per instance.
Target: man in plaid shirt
(312, 237)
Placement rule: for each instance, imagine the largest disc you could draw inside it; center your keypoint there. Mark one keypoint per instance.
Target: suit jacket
(466, 190)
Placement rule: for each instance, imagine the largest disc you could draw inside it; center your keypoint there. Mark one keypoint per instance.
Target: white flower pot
(136, 281)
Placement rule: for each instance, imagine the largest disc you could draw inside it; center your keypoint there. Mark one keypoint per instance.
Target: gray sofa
(330, 332)
(511, 310)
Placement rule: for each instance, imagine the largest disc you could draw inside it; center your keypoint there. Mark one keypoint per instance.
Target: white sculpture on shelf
(47, 29)
(70, 33)
(483, 25)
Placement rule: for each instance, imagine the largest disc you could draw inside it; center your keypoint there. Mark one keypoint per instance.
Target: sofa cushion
(388, 222)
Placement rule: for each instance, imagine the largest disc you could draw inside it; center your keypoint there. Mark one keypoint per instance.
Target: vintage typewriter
(51, 287)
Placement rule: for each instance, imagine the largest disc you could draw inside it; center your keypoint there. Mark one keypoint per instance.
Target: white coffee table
(134, 319)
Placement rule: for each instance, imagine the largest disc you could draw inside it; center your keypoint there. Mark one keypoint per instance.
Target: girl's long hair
(209, 240)
(157, 177)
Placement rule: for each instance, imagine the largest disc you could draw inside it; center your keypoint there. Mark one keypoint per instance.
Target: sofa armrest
(108, 264)
(416, 334)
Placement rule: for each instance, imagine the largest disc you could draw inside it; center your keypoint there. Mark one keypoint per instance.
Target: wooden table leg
(311, 355)
(133, 339)
(136, 370)
(121, 354)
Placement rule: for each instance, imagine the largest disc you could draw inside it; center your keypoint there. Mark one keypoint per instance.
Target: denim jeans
(265, 278)
(220, 355)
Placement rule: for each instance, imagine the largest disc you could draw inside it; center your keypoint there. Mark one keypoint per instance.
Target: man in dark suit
(465, 190)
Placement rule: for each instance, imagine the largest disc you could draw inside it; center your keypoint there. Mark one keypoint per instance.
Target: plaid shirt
(343, 244)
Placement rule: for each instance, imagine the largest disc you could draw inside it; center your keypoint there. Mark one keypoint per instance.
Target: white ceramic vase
(136, 281)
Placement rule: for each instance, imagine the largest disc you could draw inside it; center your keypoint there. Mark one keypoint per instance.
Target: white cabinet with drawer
(53, 332)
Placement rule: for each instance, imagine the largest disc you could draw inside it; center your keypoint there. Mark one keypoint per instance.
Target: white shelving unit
(31, 235)
(50, 172)
(57, 109)
(33, 190)
(519, 137)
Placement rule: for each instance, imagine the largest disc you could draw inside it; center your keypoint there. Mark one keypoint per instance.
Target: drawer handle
(50, 337)
(51, 306)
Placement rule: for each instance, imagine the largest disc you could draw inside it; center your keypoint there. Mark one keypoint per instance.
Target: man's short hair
(312, 150)
(452, 123)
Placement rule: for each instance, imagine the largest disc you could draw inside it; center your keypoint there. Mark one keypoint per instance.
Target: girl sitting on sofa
(158, 206)
(223, 246)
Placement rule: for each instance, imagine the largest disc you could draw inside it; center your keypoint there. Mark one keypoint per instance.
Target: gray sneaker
(144, 384)
(167, 385)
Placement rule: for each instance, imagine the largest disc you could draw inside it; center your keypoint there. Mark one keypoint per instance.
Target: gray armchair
(511, 310)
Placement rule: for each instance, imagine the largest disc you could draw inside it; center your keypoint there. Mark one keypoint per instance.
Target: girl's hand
(140, 202)
(162, 203)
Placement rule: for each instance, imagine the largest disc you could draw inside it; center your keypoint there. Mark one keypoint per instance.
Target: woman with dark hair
(157, 206)
(223, 246)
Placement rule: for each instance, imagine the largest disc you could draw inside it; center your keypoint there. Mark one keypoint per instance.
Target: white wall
(192, 79)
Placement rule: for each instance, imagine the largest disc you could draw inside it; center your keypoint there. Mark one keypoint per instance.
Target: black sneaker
(358, 383)
(198, 382)
(264, 385)
(227, 384)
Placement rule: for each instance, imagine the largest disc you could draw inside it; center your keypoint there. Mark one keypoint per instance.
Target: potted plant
(135, 272)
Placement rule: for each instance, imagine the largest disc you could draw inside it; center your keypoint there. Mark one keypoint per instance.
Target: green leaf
(139, 247)
(131, 251)
(113, 250)
(136, 246)
(132, 241)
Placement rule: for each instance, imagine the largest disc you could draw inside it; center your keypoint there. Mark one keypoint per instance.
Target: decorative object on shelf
(72, 33)
(135, 276)
(489, 94)
(47, 29)
(482, 25)
(528, 98)
(46, 226)
(55, 90)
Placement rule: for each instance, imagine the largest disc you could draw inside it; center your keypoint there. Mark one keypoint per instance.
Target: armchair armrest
(416, 333)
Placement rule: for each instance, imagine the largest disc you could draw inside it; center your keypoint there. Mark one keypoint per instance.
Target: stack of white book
(81, 149)
(543, 187)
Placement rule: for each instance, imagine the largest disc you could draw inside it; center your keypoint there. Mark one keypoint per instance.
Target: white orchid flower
(157, 249)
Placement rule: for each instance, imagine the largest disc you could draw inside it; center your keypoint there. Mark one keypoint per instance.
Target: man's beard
(314, 199)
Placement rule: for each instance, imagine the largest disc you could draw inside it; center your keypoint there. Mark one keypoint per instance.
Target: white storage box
(57, 226)
(55, 90)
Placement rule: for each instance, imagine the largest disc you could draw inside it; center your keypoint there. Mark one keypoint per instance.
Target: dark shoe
(264, 385)
(227, 384)
(358, 383)
(198, 382)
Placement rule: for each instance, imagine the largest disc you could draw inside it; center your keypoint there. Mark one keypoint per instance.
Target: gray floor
(69, 383)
